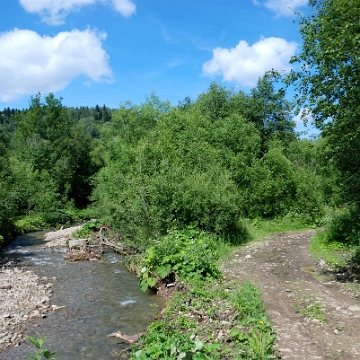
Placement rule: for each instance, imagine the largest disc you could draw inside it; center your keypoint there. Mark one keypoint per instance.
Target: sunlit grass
(335, 254)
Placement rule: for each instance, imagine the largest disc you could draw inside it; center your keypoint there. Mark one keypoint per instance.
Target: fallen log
(104, 230)
(130, 339)
(5, 287)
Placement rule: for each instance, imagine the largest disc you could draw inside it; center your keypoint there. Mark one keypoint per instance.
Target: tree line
(208, 163)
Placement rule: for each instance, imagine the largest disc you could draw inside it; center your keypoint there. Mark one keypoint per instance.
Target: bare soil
(276, 265)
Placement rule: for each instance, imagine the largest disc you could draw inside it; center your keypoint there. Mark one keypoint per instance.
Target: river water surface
(100, 297)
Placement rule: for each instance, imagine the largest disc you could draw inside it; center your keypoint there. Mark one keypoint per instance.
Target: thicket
(47, 159)
(148, 168)
(209, 164)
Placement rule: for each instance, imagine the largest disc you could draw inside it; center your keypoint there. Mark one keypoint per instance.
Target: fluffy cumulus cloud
(30, 63)
(282, 7)
(54, 12)
(124, 7)
(244, 64)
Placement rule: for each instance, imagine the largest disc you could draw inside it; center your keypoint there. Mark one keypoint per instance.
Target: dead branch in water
(106, 233)
(130, 339)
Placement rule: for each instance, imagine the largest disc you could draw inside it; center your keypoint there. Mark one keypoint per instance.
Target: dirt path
(274, 264)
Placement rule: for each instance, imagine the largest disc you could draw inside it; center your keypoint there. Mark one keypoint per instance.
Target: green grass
(334, 253)
(86, 231)
(259, 228)
(308, 307)
(51, 220)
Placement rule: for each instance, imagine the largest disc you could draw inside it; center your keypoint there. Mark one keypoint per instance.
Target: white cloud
(54, 12)
(124, 7)
(30, 63)
(282, 7)
(244, 64)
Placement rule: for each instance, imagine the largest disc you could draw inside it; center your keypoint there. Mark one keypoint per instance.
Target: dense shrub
(188, 253)
(345, 228)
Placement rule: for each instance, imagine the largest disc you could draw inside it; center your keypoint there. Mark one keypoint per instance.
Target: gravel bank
(24, 297)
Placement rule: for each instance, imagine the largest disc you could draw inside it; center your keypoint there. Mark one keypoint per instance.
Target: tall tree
(47, 140)
(328, 82)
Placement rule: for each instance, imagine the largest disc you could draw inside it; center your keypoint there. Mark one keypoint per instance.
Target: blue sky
(108, 51)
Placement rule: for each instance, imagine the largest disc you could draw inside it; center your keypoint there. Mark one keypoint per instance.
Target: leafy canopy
(328, 83)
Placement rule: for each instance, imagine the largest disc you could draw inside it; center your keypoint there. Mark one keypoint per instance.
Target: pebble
(354, 308)
(248, 257)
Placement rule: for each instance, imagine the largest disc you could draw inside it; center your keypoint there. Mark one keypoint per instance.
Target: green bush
(42, 352)
(345, 228)
(86, 230)
(188, 253)
(177, 346)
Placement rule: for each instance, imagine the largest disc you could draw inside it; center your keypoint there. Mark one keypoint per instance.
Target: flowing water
(100, 297)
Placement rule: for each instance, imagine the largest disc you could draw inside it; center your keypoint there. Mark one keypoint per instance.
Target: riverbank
(300, 311)
(24, 297)
(80, 326)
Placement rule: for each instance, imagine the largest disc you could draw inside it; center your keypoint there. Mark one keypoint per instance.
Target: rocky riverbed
(24, 296)
(92, 299)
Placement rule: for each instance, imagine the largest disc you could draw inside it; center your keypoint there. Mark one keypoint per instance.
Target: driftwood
(105, 233)
(5, 287)
(130, 339)
(80, 249)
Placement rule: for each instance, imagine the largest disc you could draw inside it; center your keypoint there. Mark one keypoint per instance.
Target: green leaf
(37, 342)
(138, 353)
(47, 354)
(151, 282)
(143, 285)
(163, 271)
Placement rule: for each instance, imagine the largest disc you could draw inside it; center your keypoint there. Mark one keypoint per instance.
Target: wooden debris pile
(81, 249)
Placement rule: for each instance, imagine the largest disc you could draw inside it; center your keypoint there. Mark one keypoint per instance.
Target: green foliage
(49, 220)
(307, 306)
(188, 253)
(86, 230)
(174, 173)
(248, 302)
(261, 345)
(334, 253)
(206, 165)
(327, 84)
(176, 335)
(355, 259)
(178, 346)
(345, 228)
(276, 187)
(42, 352)
(54, 155)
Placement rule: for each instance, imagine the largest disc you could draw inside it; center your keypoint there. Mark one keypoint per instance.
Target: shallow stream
(100, 297)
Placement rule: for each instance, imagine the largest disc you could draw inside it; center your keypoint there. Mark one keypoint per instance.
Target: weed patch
(188, 253)
(307, 306)
(212, 320)
(334, 253)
